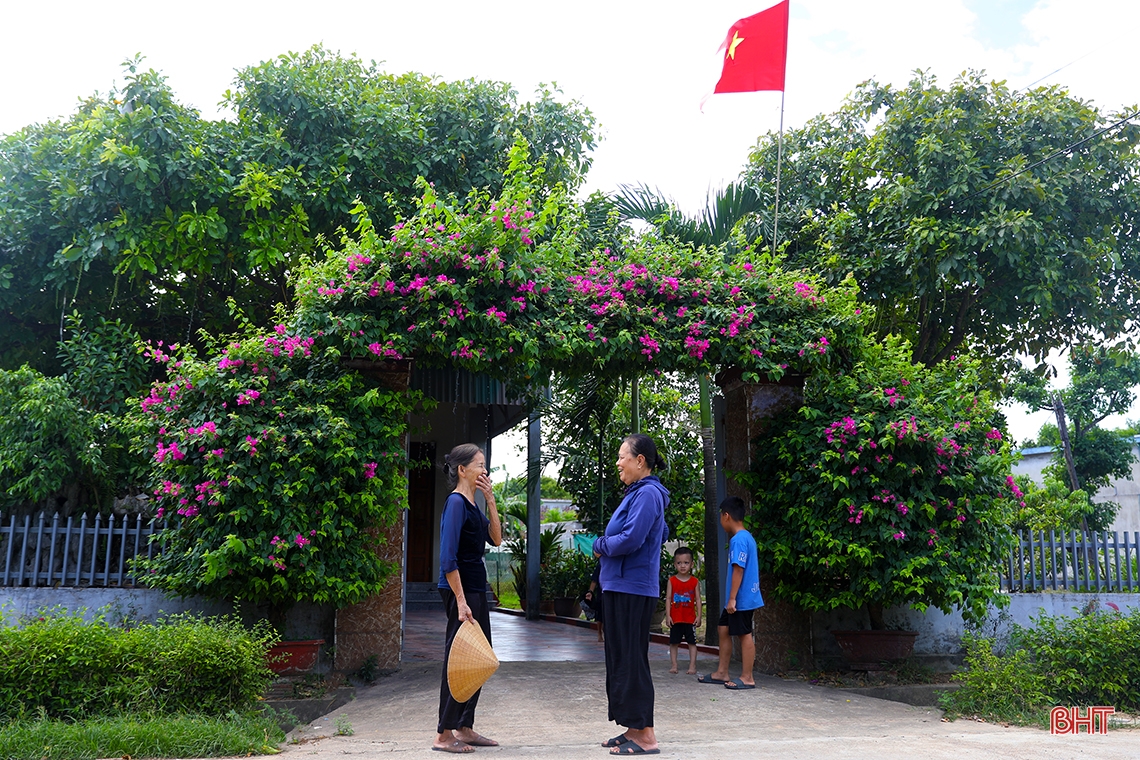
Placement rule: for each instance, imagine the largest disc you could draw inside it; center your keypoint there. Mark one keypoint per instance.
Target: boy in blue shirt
(742, 599)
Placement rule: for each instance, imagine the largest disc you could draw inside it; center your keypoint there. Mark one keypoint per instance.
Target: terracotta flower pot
(869, 650)
(294, 657)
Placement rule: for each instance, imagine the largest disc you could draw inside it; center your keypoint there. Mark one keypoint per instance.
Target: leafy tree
(136, 208)
(550, 488)
(713, 226)
(49, 458)
(588, 419)
(1050, 506)
(68, 438)
(890, 486)
(1102, 382)
(961, 215)
(105, 364)
(510, 497)
(582, 420)
(106, 367)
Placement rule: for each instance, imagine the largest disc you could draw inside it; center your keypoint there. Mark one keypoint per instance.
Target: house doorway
(421, 511)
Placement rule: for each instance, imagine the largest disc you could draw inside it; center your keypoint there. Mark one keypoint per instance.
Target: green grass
(509, 599)
(140, 736)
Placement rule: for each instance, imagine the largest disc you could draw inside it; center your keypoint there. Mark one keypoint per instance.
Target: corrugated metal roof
(1037, 450)
(460, 387)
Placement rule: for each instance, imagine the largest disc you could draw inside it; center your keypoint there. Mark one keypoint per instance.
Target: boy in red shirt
(683, 608)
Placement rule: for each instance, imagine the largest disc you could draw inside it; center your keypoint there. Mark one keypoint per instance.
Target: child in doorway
(742, 599)
(683, 609)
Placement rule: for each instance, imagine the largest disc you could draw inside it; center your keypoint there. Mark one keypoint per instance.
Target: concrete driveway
(558, 710)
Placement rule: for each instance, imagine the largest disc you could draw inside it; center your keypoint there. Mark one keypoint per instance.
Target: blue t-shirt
(742, 552)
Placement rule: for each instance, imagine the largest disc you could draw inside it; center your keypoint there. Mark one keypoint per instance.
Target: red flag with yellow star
(756, 52)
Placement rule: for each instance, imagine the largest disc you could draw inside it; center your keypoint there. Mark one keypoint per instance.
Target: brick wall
(373, 627)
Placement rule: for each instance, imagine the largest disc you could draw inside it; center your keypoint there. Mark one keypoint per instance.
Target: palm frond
(713, 226)
(650, 205)
(733, 203)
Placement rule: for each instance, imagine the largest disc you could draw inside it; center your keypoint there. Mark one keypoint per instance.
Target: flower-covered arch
(504, 286)
(276, 460)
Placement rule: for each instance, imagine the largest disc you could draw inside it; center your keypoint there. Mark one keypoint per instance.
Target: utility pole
(712, 513)
(635, 406)
(1067, 449)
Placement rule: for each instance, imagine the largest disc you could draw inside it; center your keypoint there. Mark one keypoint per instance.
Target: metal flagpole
(779, 161)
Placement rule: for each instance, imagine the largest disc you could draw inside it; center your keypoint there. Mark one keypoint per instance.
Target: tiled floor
(515, 639)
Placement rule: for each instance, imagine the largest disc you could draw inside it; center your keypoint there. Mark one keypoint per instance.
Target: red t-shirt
(683, 607)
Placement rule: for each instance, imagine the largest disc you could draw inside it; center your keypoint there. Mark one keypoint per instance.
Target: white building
(1126, 493)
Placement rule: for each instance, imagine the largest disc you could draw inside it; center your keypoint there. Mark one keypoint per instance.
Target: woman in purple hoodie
(630, 553)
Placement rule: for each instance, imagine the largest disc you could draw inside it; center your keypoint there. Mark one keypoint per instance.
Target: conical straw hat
(470, 663)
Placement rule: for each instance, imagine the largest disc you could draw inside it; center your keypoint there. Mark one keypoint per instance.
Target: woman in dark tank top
(463, 537)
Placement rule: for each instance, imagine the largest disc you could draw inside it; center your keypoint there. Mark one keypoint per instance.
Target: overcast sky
(641, 67)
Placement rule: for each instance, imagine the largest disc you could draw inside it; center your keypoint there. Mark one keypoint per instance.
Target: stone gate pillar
(782, 632)
(375, 625)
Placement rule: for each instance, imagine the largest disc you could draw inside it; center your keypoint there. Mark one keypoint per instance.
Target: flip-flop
(633, 748)
(480, 741)
(456, 746)
(617, 741)
(702, 678)
(736, 684)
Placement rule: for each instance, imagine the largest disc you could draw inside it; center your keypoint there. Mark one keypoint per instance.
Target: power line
(1054, 154)
(1051, 73)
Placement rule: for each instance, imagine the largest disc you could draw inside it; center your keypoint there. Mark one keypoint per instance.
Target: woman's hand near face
(483, 483)
(495, 529)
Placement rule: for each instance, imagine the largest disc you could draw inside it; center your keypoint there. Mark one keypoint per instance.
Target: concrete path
(550, 709)
(515, 639)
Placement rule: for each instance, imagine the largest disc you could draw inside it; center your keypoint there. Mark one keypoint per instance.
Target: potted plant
(555, 579)
(570, 580)
(548, 548)
(274, 469)
(891, 487)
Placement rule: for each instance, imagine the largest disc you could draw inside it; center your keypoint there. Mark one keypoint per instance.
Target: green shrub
(997, 687)
(1087, 660)
(62, 666)
(1092, 659)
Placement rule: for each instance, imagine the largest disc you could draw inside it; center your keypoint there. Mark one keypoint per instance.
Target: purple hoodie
(631, 546)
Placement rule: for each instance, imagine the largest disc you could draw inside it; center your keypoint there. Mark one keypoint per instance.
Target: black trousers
(452, 714)
(629, 684)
